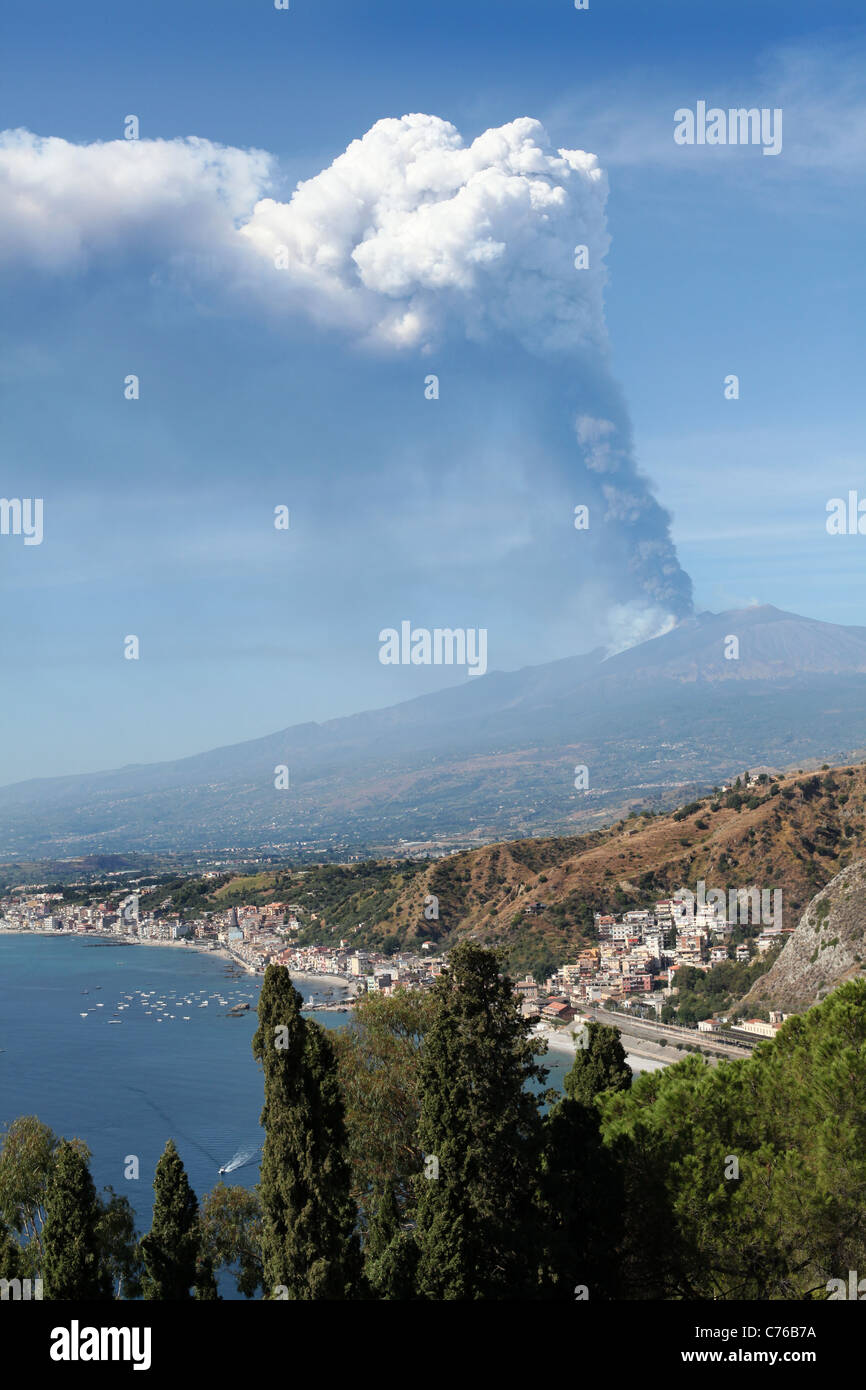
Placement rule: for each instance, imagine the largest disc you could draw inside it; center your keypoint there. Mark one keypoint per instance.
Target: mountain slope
(489, 759)
(795, 834)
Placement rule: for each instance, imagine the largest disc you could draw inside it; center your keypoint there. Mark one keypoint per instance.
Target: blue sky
(157, 512)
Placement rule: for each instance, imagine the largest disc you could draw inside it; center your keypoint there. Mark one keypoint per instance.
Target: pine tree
(480, 1130)
(170, 1252)
(599, 1066)
(309, 1243)
(70, 1237)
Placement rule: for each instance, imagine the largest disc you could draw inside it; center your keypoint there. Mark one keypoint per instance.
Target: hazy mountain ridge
(491, 758)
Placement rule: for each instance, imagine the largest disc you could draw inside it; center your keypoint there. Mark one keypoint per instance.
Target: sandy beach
(562, 1040)
(342, 980)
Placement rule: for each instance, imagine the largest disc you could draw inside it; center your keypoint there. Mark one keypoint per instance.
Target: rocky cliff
(827, 948)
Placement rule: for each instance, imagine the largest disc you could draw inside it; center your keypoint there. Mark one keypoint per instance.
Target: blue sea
(172, 1068)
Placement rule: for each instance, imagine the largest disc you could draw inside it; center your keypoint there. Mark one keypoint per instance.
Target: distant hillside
(795, 834)
(828, 947)
(491, 759)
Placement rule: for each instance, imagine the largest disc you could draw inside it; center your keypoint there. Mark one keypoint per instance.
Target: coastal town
(632, 966)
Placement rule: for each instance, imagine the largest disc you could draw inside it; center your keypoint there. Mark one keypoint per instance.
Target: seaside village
(633, 964)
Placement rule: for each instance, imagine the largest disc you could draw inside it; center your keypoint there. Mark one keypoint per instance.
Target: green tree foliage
(477, 1218)
(581, 1204)
(748, 1180)
(26, 1165)
(28, 1161)
(118, 1245)
(309, 1244)
(703, 993)
(390, 1251)
(744, 1180)
(170, 1252)
(379, 1061)
(71, 1265)
(231, 1225)
(580, 1186)
(11, 1255)
(599, 1066)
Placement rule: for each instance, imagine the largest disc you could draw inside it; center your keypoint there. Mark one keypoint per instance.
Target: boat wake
(240, 1160)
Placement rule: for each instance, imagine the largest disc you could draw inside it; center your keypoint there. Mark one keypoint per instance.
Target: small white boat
(82, 1015)
(115, 1020)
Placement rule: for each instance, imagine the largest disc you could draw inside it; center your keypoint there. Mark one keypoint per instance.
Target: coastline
(190, 947)
(115, 939)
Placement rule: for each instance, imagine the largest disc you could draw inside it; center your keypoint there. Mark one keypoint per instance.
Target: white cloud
(62, 206)
(409, 229)
(407, 234)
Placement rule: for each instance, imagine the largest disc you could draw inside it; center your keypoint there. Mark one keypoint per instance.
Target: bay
(172, 1067)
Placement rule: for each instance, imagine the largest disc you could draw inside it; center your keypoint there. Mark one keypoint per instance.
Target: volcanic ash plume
(411, 239)
(412, 245)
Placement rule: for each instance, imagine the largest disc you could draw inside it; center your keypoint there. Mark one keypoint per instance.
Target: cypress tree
(70, 1237)
(170, 1251)
(310, 1247)
(480, 1131)
(582, 1206)
(390, 1252)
